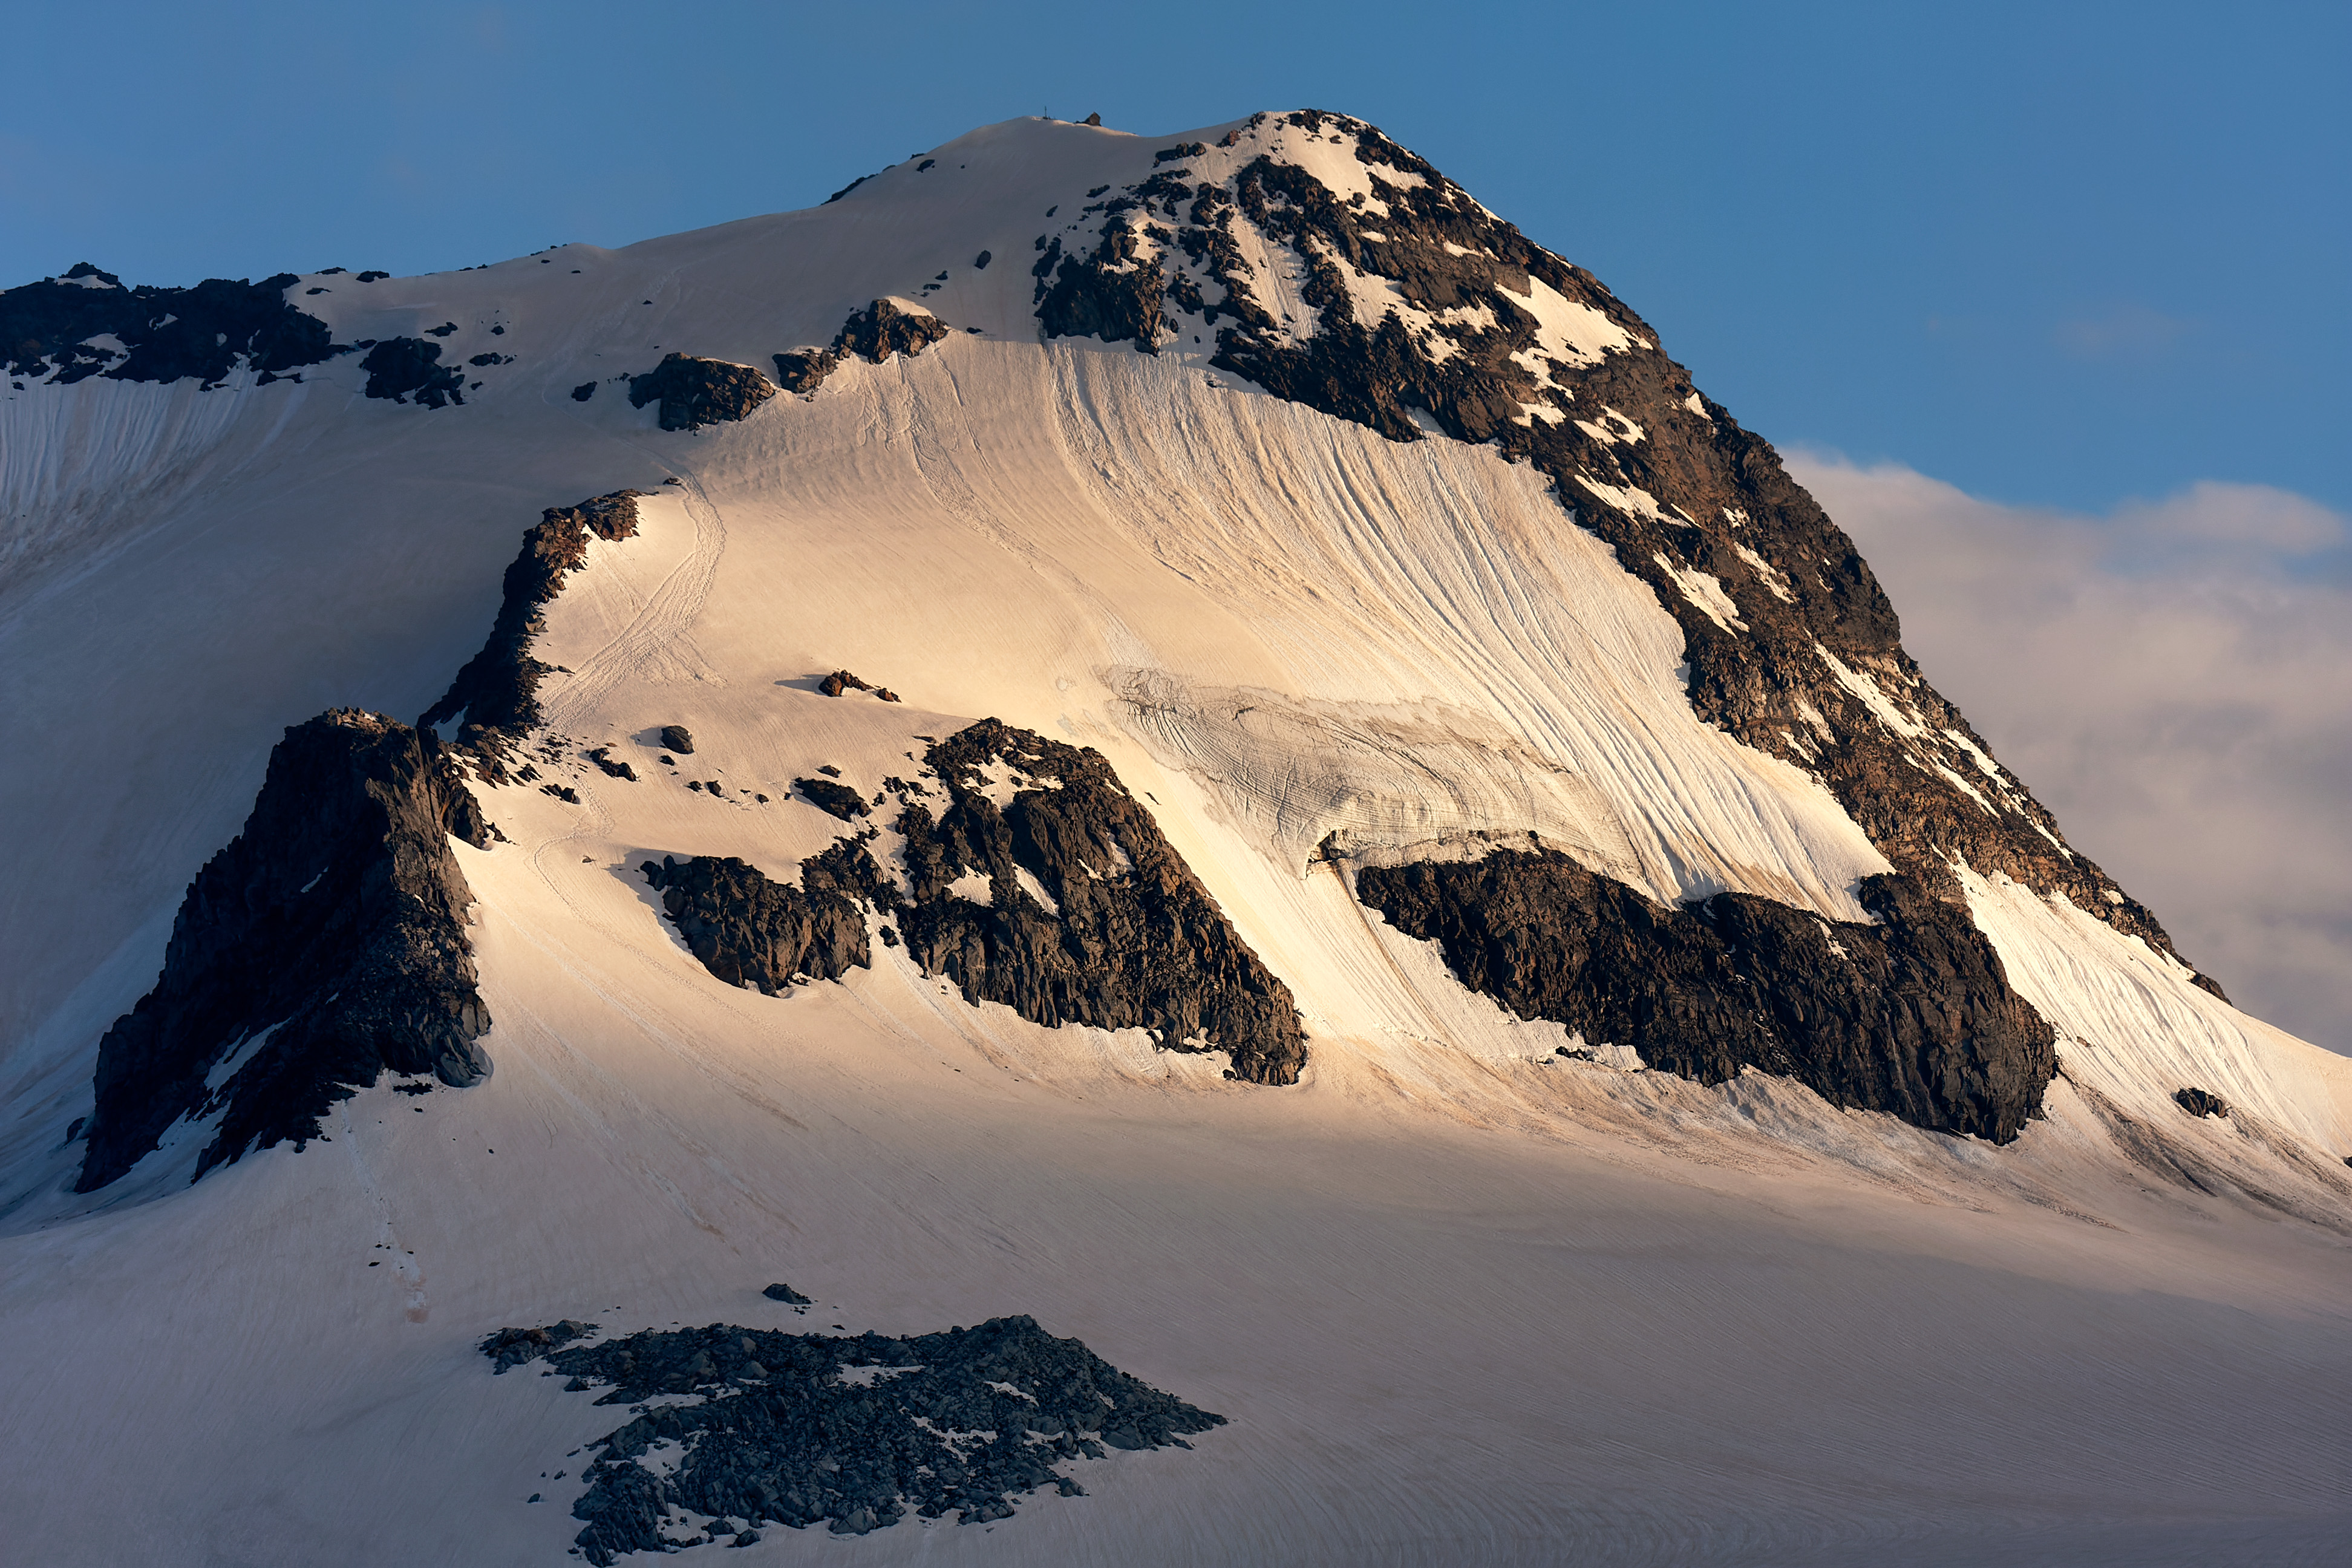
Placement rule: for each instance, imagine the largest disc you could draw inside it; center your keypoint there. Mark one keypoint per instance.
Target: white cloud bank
(2174, 679)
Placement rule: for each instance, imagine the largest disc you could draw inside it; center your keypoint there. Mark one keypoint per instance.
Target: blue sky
(2061, 255)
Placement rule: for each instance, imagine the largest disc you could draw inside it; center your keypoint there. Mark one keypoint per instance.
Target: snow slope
(1463, 1300)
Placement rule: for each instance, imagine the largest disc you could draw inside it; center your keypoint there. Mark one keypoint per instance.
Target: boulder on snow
(841, 681)
(838, 799)
(676, 737)
(2200, 1102)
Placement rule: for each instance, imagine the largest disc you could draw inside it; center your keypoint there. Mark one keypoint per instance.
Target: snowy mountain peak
(1187, 735)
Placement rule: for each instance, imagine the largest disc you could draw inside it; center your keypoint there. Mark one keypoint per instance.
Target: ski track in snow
(1463, 1300)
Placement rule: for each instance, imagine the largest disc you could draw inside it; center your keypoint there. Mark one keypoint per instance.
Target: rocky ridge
(1913, 1015)
(322, 948)
(1091, 917)
(87, 323)
(1426, 314)
(873, 334)
(496, 692)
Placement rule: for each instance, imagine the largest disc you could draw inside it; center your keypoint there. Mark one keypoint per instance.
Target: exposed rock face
(677, 737)
(2200, 1102)
(165, 334)
(1101, 294)
(805, 370)
(1131, 939)
(873, 334)
(1109, 927)
(881, 329)
(749, 930)
(1913, 1016)
(497, 689)
(949, 1423)
(365, 968)
(323, 947)
(1791, 645)
(403, 368)
(699, 391)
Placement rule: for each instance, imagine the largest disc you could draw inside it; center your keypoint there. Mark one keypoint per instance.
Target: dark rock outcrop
(852, 1432)
(1108, 293)
(1111, 928)
(805, 370)
(750, 930)
(697, 392)
(2200, 1102)
(781, 1292)
(881, 329)
(403, 368)
(166, 333)
(1913, 1016)
(837, 799)
(513, 1347)
(842, 680)
(1131, 939)
(873, 334)
(678, 739)
(497, 689)
(324, 947)
(1810, 667)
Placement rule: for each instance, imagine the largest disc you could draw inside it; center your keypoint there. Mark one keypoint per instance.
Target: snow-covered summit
(1324, 677)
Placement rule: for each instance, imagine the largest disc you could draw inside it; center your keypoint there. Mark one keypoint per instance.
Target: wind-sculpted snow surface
(1090, 917)
(1913, 1015)
(755, 1427)
(324, 947)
